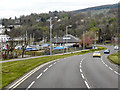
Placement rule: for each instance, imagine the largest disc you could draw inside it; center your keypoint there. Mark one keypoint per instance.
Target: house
(67, 40)
(4, 38)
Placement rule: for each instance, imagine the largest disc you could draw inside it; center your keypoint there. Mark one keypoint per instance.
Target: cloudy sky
(12, 8)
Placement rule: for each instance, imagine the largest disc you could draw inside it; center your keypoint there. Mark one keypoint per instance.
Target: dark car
(107, 51)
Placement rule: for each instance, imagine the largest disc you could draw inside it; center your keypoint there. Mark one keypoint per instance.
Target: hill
(112, 6)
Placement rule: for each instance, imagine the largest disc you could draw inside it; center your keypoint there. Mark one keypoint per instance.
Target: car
(18, 47)
(107, 51)
(116, 47)
(96, 54)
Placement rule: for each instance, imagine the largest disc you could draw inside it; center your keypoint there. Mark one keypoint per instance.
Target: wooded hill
(101, 20)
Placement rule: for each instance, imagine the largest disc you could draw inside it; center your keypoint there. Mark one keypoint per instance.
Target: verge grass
(114, 58)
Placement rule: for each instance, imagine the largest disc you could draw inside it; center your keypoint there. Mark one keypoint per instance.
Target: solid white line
(30, 85)
(39, 76)
(50, 66)
(87, 85)
(14, 85)
(83, 76)
(45, 70)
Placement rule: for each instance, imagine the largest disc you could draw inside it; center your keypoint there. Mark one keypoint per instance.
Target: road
(80, 71)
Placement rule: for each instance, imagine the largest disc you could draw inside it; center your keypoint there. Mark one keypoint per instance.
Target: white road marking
(45, 70)
(116, 72)
(39, 76)
(83, 76)
(87, 85)
(54, 63)
(110, 68)
(80, 66)
(22, 79)
(30, 85)
(81, 70)
(50, 66)
(106, 65)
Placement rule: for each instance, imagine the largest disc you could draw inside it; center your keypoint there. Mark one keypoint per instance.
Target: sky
(12, 8)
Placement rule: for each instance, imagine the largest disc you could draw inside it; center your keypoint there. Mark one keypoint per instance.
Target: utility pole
(95, 39)
(51, 36)
(33, 38)
(83, 41)
(66, 35)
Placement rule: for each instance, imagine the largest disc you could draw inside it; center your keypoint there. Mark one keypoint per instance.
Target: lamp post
(51, 26)
(51, 35)
(95, 39)
(83, 41)
(66, 35)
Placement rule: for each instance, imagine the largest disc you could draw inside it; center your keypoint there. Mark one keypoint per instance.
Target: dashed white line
(54, 63)
(87, 85)
(81, 70)
(116, 72)
(45, 70)
(106, 65)
(83, 76)
(50, 66)
(80, 66)
(39, 76)
(110, 68)
(30, 85)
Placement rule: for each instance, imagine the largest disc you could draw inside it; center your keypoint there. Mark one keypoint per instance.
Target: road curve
(80, 71)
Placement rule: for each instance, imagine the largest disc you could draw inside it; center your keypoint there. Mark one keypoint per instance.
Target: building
(67, 40)
(4, 38)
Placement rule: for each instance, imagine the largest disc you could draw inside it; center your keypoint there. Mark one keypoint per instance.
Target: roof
(67, 38)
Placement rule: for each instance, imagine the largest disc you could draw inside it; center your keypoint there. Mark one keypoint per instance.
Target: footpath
(18, 59)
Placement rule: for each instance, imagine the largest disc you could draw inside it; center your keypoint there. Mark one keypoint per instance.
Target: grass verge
(114, 58)
(13, 70)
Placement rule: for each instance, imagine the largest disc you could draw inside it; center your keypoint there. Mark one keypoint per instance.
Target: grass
(13, 70)
(114, 58)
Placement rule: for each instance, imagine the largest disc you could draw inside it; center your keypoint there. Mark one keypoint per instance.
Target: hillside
(101, 19)
(112, 6)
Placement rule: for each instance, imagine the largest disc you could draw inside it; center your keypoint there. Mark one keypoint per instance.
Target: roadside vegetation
(13, 70)
(114, 58)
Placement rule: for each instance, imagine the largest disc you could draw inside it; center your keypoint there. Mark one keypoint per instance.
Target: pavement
(79, 71)
(18, 59)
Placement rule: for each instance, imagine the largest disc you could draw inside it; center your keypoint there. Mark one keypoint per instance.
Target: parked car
(116, 47)
(96, 54)
(31, 48)
(107, 51)
(18, 47)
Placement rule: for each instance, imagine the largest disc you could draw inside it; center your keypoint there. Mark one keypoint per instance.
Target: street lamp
(66, 35)
(83, 41)
(95, 39)
(51, 35)
(51, 26)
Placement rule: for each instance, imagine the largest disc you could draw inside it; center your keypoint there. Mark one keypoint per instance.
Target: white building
(4, 38)
(1, 29)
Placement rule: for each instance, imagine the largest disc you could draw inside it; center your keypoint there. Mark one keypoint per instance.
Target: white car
(18, 47)
(116, 47)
